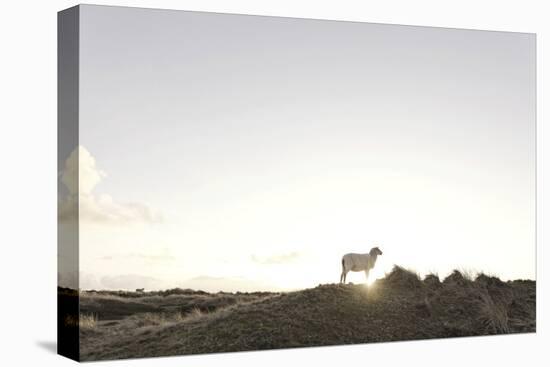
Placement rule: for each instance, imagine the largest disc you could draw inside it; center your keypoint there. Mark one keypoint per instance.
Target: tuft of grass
(457, 277)
(432, 280)
(488, 280)
(196, 313)
(469, 274)
(88, 321)
(83, 321)
(149, 319)
(401, 277)
(493, 315)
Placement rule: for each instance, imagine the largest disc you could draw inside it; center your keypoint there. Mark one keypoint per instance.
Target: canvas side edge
(68, 343)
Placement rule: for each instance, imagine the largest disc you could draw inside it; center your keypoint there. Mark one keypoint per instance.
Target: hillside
(400, 306)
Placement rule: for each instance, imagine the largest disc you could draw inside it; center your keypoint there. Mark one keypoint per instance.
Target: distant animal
(140, 290)
(359, 262)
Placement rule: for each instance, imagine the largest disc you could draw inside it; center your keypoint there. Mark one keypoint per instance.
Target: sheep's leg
(367, 276)
(343, 276)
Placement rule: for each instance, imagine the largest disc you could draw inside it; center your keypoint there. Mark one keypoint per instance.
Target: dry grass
(83, 321)
(88, 321)
(493, 315)
(432, 280)
(401, 277)
(400, 306)
(111, 306)
(456, 277)
(158, 319)
(195, 314)
(468, 274)
(165, 318)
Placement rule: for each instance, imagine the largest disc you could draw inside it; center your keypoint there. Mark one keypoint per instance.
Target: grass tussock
(493, 315)
(432, 280)
(456, 277)
(88, 321)
(403, 278)
(83, 320)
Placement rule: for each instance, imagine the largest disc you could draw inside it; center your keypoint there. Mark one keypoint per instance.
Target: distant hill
(400, 306)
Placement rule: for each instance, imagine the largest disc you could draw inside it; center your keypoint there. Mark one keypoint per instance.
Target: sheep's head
(375, 251)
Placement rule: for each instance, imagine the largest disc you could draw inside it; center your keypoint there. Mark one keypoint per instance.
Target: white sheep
(359, 262)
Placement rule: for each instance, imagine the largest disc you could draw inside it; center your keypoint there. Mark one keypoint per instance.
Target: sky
(231, 152)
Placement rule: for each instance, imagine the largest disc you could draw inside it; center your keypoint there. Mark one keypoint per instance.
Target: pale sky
(230, 152)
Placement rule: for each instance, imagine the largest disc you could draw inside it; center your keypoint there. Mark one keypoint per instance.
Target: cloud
(80, 173)
(81, 176)
(276, 259)
(141, 257)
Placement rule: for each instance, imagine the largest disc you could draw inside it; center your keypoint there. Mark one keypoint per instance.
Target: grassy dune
(400, 306)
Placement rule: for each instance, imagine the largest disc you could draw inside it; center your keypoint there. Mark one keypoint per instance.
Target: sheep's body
(359, 262)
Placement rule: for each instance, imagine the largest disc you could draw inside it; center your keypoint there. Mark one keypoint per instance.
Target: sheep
(359, 262)
(140, 290)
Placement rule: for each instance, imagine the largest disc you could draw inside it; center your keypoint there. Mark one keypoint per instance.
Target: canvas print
(240, 183)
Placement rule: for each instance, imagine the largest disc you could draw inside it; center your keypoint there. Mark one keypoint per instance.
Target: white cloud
(81, 175)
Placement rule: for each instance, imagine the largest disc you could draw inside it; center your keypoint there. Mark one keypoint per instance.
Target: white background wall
(28, 181)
